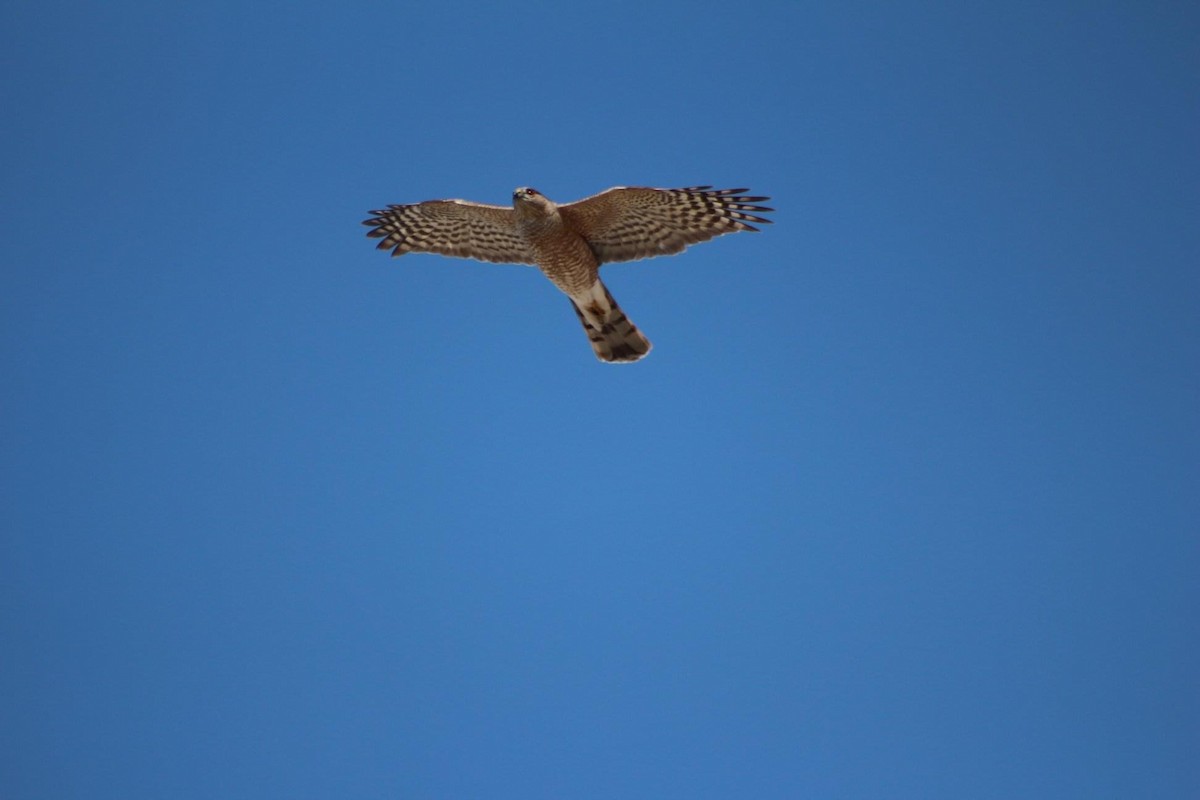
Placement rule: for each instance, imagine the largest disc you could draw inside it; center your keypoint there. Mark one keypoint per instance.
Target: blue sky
(904, 503)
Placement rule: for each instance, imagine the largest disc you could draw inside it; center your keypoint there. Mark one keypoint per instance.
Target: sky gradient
(903, 504)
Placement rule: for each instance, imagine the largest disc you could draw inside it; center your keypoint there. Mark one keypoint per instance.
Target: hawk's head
(531, 203)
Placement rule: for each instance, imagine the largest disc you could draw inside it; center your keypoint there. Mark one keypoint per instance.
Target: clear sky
(904, 504)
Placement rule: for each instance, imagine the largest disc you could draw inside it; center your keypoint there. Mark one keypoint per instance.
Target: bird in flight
(569, 242)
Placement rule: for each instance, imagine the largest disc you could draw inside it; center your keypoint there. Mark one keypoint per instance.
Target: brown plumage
(570, 242)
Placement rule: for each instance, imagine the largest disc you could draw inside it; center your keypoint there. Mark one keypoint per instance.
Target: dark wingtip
(753, 218)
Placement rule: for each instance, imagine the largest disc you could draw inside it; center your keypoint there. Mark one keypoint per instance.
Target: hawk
(569, 242)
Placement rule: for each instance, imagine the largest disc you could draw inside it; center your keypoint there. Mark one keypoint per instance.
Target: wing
(627, 223)
(451, 228)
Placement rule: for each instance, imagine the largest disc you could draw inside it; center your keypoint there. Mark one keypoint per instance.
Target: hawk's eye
(531, 192)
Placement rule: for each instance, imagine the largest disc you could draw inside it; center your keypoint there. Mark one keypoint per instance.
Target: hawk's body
(570, 242)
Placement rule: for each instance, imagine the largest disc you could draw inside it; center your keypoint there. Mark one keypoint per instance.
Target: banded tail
(614, 338)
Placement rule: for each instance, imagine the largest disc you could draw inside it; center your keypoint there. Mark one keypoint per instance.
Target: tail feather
(614, 338)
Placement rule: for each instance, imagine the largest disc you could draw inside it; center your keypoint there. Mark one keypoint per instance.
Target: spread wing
(627, 223)
(451, 228)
